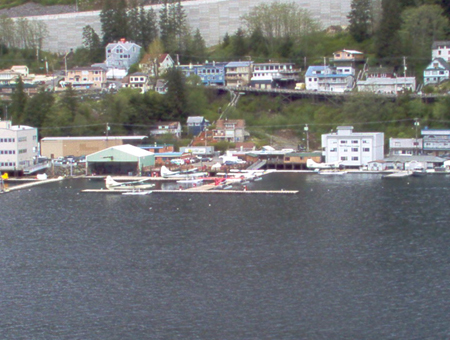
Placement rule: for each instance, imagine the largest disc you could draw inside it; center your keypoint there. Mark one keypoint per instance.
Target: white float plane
(189, 174)
(111, 184)
(313, 165)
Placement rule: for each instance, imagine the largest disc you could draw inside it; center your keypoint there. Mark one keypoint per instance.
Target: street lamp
(306, 128)
(416, 124)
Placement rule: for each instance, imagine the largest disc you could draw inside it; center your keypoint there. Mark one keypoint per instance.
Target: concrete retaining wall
(214, 18)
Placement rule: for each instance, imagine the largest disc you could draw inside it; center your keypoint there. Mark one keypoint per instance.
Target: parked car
(206, 159)
(230, 162)
(177, 161)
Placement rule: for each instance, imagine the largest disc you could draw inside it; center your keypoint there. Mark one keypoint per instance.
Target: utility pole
(307, 137)
(416, 124)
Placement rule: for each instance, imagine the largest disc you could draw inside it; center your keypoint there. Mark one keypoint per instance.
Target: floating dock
(33, 184)
(187, 191)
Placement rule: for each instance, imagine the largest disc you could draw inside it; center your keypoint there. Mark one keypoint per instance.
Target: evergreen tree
(258, 43)
(165, 25)
(37, 108)
(133, 20)
(360, 19)
(18, 102)
(107, 22)
(114, 20)
(387, 41)
(226, 40)
(198, 49)
(91, 41)
(239, 44)
(148, 30)
(176, 93)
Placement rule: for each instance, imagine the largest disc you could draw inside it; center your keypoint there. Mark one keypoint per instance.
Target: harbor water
(348, 257)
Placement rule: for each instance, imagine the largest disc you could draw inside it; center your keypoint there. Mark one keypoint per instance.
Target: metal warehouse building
(54, 147)
(120, 160)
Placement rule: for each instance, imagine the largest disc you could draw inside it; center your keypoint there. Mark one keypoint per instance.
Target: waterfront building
(19, 147)
(436, 142)
(352, 149)
(405, 146)
(55, 147)
(121, 159)
(348, 58)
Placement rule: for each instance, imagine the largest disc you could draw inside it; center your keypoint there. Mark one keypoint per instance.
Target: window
(343, 158)
(343, 142)
(333, 150)
(355, 149)
(354, 142)
(366, 150)
(355, 158)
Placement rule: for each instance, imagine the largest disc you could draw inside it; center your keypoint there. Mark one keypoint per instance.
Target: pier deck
(202, 191)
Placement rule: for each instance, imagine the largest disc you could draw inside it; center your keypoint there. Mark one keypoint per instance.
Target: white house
(330, 78)
(162, 128)
(405, 146)
(155, 67)
(18, 146)
(352, 149)
(271, 75)
(440, 49)
(137, 80)
(387, 85)
(120, 56)
(436, 72)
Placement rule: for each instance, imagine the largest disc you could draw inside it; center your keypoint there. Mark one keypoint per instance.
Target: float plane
(111, 184)
(189, 174)
(313, 165)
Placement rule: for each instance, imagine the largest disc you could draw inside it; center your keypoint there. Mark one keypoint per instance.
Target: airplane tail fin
(310, 163)
(166, 172)
(110, 183)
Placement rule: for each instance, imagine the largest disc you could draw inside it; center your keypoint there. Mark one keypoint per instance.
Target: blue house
(212, 73)
(196, 124)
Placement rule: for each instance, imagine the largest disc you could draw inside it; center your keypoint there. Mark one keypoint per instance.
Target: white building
(387, 85)
(441, 49)
(18, 146)
(436, 72)
(405, 146)
(120, 56)
(329, 78)
(352, 149)
(436, 142)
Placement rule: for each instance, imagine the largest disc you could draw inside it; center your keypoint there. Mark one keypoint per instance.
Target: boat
(400, 174)
(332, 172)
(419, 172)
(137, 192)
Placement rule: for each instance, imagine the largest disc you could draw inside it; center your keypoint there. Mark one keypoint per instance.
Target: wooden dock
(203, 191)
(33, 184)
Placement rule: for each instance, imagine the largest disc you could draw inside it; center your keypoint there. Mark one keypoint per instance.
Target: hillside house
(238, 73)
(441, 49)
(230, 130)
(120, 56)
(436, 72)
(163, 128)
(85, 78)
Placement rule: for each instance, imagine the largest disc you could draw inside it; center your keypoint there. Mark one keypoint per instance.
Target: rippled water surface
(348, 257)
